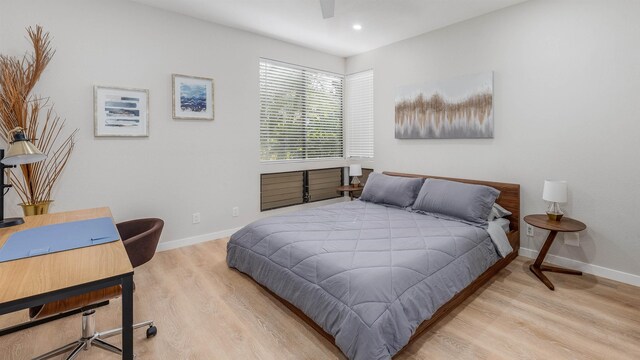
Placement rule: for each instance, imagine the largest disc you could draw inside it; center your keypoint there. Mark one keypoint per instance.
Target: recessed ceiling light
(357, 27)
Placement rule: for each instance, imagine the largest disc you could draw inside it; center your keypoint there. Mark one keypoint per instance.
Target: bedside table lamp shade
(555, 192)
(355, 170)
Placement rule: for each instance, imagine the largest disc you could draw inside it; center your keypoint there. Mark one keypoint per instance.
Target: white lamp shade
(555, 191)
(355, 170)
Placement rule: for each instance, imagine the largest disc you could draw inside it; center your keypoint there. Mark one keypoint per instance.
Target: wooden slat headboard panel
(509, 194)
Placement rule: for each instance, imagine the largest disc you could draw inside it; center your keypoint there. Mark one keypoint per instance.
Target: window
(300, 113)
(359, 114)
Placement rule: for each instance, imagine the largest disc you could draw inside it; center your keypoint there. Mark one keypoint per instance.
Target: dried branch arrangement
(20, 108)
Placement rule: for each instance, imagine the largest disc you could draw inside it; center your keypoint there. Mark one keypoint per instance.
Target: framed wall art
(192, 97)
(120, 111)
(458, 108)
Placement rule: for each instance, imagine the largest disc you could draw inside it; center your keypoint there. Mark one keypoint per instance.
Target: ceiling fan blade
(328, 6)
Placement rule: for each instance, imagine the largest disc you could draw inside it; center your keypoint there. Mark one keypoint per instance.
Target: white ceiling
(300, 21)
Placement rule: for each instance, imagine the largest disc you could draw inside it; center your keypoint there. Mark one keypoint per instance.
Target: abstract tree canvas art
(460, 108)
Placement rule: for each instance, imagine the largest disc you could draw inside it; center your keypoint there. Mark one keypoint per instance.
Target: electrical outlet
(235, 211)
(196, 218)
(572, 239)
(529, 230)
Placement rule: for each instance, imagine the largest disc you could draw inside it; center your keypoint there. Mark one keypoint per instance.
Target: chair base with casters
(140, 239)
(92, 338)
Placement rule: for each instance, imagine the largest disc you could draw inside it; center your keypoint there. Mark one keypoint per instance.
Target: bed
(371, 277)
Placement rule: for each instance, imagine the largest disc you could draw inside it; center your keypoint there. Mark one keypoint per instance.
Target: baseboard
(601, 271)
(174, 244)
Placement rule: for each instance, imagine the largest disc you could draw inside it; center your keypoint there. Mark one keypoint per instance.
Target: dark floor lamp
(21, 151)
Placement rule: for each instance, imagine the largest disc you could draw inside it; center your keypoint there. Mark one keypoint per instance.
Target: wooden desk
(565, 225)
(41, 279)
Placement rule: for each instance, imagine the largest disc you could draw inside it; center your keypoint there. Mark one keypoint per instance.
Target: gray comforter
(366, 273)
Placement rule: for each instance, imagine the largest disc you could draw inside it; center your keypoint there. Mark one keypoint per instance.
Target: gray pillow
(467, 202)
(391, 190)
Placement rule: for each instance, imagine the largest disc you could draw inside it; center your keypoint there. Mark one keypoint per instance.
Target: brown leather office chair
(140, 238)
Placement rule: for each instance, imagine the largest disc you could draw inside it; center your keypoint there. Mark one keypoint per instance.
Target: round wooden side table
(566, 224)
(350, 189)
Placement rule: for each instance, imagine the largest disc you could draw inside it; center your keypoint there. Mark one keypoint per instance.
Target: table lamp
(21, 151)
(555, 192)
(355, 170)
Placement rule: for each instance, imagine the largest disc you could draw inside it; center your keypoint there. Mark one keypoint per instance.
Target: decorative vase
(37, 208)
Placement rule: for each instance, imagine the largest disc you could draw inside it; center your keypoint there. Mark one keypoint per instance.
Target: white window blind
(359, 114)
(300, 113)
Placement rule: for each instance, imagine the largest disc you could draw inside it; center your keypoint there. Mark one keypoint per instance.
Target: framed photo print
(192, 97)
(120, 111)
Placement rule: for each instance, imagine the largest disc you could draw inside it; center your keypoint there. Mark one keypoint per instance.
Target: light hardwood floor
(205, 310)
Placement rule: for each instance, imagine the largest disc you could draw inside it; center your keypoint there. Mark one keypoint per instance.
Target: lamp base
(554, 217)
(355, 182)
(11, 222)
(553, 212)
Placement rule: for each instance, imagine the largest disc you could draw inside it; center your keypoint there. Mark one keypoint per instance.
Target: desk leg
(127, 317)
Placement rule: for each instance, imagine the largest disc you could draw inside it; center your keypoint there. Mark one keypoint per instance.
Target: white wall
(567, 79)
(566, 74)
(184, 166)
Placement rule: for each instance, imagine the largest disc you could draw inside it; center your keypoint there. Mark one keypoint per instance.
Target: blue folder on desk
(58, 237)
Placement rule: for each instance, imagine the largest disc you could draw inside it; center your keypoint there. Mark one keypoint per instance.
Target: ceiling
(300, 21)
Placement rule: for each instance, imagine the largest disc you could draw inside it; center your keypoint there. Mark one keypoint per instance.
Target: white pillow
(504, 223)
(499, 238)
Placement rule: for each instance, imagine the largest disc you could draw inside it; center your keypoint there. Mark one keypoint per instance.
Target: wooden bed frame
(509, 199)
